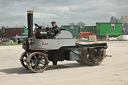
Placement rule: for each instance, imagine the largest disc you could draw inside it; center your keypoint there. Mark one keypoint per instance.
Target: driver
(55, 28)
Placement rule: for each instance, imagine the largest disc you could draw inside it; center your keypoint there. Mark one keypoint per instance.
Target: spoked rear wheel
(23, 59)
(37, 62)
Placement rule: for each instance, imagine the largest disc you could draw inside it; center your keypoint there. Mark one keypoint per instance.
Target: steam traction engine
(53, 45)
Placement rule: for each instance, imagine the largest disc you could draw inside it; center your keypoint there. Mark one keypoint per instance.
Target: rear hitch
(108, 55)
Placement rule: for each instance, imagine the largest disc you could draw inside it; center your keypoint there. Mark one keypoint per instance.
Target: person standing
(107, 35)
(0, 41)
(16, 37)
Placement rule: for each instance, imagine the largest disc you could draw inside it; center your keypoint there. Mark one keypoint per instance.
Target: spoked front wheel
(23, 59)
(37, 62)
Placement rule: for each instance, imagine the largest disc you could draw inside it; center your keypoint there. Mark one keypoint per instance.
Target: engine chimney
(30, 23)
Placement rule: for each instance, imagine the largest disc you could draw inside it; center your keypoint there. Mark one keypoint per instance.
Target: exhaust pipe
(30, 23)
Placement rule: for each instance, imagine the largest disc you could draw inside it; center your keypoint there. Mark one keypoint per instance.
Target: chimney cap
(30, 12)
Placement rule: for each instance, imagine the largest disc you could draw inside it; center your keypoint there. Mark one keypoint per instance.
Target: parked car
(23, 36)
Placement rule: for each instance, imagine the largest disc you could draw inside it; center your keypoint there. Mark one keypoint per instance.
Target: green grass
(14, 43)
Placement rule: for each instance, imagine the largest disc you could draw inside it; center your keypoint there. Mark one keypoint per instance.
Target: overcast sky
(13, 12)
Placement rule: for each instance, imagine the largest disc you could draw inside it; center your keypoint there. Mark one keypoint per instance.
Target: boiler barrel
(30, 23)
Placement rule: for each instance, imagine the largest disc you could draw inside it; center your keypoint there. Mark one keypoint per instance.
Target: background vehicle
(23, 36)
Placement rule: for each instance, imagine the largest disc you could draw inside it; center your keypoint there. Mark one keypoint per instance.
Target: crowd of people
(5, 41)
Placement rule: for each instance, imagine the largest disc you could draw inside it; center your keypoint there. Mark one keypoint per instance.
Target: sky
(13, 12)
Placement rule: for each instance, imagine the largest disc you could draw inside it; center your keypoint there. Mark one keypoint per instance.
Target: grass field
(7, 44)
